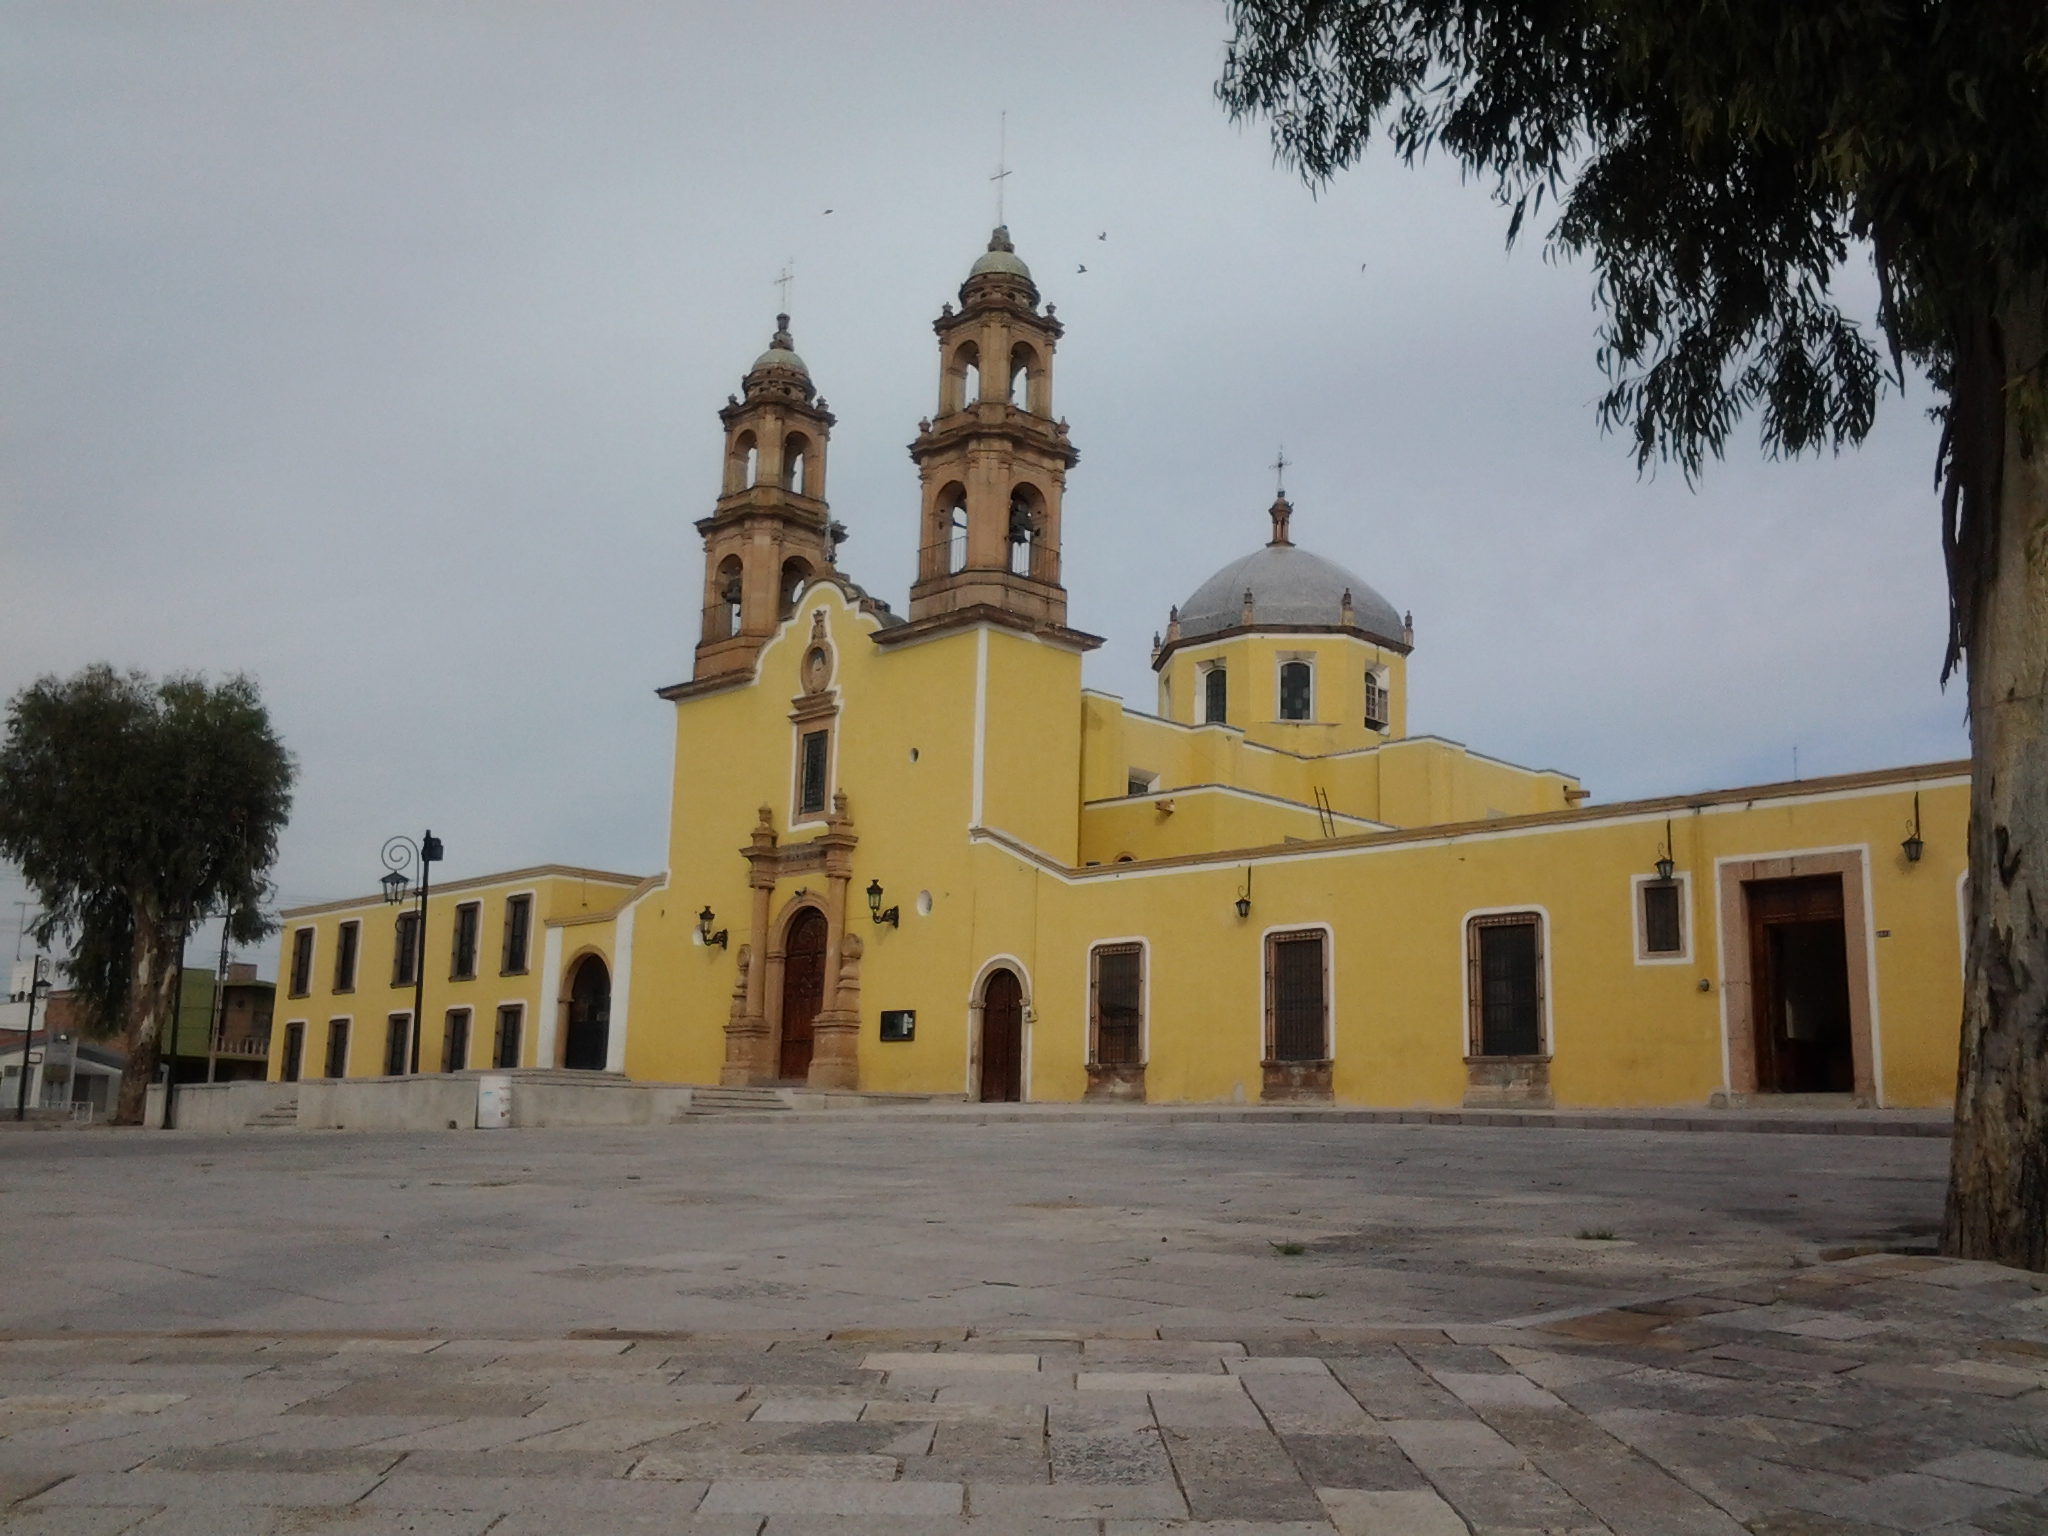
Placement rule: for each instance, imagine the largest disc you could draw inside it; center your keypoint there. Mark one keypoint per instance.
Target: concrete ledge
(429, 1102)
(225, 1106)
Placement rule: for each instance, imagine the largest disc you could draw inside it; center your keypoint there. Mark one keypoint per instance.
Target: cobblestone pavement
(1668, 1396)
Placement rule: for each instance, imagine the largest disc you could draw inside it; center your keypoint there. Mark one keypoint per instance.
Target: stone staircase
(723, 1101)
(282, 1116)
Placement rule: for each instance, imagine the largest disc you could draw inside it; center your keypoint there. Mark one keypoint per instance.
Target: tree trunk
(153, 984)
(1998, 1173)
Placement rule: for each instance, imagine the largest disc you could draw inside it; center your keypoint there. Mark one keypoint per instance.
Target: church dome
(1290, 588)
(1000, 258)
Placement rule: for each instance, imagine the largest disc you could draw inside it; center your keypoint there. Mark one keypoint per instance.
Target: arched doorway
(803, 992)
(1002, 1038)
(590, 1017)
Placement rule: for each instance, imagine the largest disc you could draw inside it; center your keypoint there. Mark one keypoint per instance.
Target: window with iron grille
(1297, 688)
(1375, 702)
(397, 1044)
(468, 919)
(811, 791)
(302, 962)
(507, 1052)
(455, 1041)
(1663, 918)
(518, 922)
(1297, 1011)
(405, 950)
(1215, 696)
(1118, 986)
(347, 940)
(1505, 956)
(294, 1049)
(337, 1047)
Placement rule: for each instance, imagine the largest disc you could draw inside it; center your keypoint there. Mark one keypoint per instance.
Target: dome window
(1297, 690)
(1375, 699)
(1215, 696)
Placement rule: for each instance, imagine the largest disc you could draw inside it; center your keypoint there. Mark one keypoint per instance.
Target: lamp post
(400, 853)
(36, 987)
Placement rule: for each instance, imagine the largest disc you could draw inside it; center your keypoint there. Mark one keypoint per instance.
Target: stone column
(835, 1037)
(746, 1032)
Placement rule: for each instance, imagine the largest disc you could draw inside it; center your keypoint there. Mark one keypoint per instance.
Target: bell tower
(770, 531)
(993, 463)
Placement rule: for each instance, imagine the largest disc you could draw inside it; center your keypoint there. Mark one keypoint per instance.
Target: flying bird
(1082, 268)
(1103, 236)
(828, 210)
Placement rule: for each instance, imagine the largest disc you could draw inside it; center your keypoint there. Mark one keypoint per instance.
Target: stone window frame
(468, 1036)
(303, 1026)
(1266, 942)
(457, 971)
(517, 1009)
(1639, 919)
(348, 955)
(1201, 700)
(300, 979)
(531, 897)
(1469, 1023)
(392, 1037)
(346, 1023)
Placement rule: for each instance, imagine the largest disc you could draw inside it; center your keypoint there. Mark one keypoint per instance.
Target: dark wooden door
(1002, 1039)
(1799, 974)
(803, 991)
(590, 1017)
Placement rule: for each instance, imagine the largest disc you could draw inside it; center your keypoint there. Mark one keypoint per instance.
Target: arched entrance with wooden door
(803, 993)
(1002, 1037)
(587, 1040)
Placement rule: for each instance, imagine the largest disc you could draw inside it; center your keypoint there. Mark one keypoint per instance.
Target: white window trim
(1144, 993)
(1281, 660)
(1329, 983)
(476, 958)
(1683, 955)
(468, 1034)
(1199, 711)
(312, 959)
(356, 966)
(1465, 1040)
(532, 895)
(327, 1041)
(524, 1033)
(1377, 675)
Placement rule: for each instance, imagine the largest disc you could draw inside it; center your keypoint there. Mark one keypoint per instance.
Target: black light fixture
(1666, 865)
(1913, 844)
(400, 853)
(704, 921)
(1244, 897)
(892, 916)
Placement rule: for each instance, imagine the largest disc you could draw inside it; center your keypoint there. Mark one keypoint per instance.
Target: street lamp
(400, 854)
(37, 987)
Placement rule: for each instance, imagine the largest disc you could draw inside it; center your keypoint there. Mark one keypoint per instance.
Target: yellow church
(911, 853)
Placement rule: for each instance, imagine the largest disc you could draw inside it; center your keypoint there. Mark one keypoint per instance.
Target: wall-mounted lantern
(704, 921)
(1913, 844)
(892, 916)
(394, 885)
(1666, 865)
(1244, 897)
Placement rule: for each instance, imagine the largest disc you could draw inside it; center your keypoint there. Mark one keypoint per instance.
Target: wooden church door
(1002, 1039)
(803, 991)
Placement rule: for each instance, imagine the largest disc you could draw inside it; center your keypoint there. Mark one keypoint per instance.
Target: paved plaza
(1115, 1326)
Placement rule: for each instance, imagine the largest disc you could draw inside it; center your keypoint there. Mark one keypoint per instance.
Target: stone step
(708, 1101)
(280, 1116)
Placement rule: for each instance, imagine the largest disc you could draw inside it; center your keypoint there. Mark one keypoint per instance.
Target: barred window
(405, 950)
(811, 795)
(1663, 918)
(346, 942)
(1215, 696)
(455, 1041)
(462, 962)
(1297, 1009)
(507, 1052)
(1505, 959)
(1117, 983)
(397, 1044)
(337, 1047)
(302, 962)
(518, 923)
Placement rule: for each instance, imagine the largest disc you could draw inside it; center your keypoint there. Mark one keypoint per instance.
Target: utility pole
(28, 1034)
(220, 1001)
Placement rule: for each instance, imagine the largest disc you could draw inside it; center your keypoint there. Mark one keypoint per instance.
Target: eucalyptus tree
(1720, 164)
(133, 809)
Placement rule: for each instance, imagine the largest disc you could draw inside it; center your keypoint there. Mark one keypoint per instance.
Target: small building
(221, 1032)
(66, 1072)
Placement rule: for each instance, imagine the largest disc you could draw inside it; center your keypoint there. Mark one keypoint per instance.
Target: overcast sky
(375, 350)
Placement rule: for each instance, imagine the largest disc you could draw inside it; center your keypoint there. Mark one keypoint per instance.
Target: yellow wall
(1396, 903)
(1251, 662)
(369, 1005)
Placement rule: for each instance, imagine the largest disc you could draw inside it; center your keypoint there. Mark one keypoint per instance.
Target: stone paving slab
(1938, 1422)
